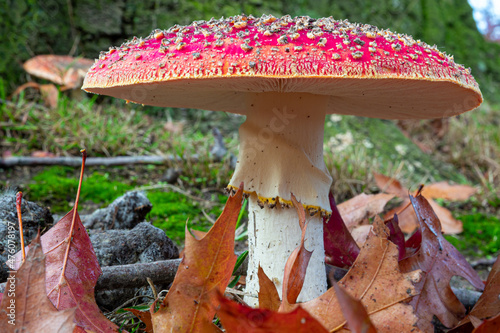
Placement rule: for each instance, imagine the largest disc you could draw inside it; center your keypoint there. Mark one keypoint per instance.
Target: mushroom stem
(281, 152)
(273, 234)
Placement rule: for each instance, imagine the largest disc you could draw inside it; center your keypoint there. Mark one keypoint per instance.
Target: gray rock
(144, 243)
(124, 213)
(34, 218)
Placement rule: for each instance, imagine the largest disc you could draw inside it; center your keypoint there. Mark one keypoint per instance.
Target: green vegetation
(56, 187)
(171, 210)
(481, 236)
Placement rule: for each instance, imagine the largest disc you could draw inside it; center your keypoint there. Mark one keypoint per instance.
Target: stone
(34, 218)
(123, 213)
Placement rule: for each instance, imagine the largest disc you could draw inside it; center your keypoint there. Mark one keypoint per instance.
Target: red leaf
(206, 267)
(25, 306)
(240, 318)
(76, 287)
(268, 295)
(340, 248)
(354, 312)
(440, 260)
(396, 236)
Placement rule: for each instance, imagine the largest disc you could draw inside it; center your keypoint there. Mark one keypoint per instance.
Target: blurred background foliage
(84, 28)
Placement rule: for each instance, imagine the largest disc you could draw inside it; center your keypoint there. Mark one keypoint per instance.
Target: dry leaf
(206, 267)
(440, 260)
(489, 326)
(443, 190)
(296, 264)
(76, 287)
(238, 318)
(390, 185)
(341, 249)
(268, 295)
(407, 219)
(144, 316)
(25, 307)
(488, 305)
(354, 312)
(361, 207)
(376, 281)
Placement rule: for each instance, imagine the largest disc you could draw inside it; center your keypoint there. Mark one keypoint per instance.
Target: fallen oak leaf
(488, 304)
(363, 206)
(440, 261)
(268, 294)
(489, 326)
(191, 301)
(374, 279)
(340, 248)
(72, 269)
(25, 306)
(237, 318)
(354, 312)
(442, 190)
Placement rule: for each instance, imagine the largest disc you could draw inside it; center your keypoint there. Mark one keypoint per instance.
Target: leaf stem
(73, 220)
(19, 200)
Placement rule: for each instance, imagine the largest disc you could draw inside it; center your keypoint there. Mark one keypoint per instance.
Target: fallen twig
(91, 161)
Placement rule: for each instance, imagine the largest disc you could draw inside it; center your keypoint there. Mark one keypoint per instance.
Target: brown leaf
(144, 316)
(489, 326)
(376, 281)
(390, 185)
(206, 267)
(268, 295)
(488, 305)
(25, 306)
(443, 190)
(409, 222)
(363, 206)
(296, 264)
(407, 219)
(440, 260)
(238, 318)
(354, 312)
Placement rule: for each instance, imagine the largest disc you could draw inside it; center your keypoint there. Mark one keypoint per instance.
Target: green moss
(481, 236)
(56, 187)
(171, 211)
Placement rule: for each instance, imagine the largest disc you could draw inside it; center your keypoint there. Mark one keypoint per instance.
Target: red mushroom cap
(212, 64)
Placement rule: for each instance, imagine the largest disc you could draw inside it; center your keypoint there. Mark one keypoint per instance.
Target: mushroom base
(273, 233)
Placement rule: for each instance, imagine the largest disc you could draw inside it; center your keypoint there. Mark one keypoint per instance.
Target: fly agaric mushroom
(63, 70)
(285, 74)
